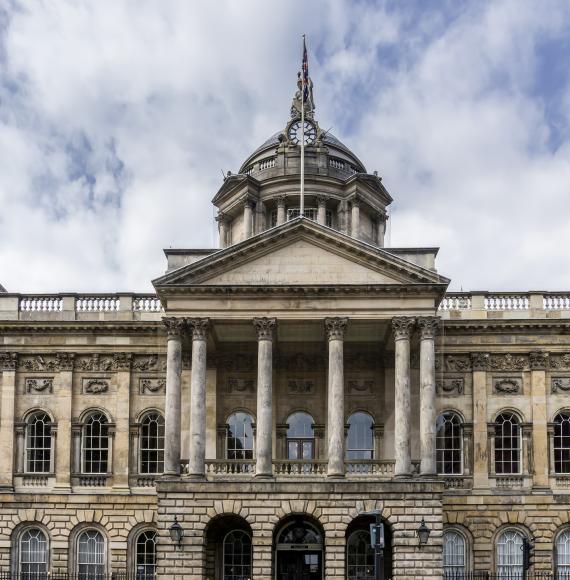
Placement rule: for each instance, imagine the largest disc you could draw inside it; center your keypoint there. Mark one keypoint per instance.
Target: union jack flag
(305, 69)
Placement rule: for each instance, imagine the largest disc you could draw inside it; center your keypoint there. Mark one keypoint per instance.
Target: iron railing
(66, 576)
(539, 575)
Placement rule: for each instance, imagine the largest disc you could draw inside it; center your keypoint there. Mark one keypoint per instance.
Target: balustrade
(266, 163)
(41, 304)
(98, 304)
(557, 302)
(147, 304)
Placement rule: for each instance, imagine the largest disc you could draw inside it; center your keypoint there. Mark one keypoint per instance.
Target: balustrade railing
(53, 575)
(369, 467)
(147, 304)
(507, 302)
(98, 304)
(266, 163)
(291, 467)
(230, 467)
(41, 304)
(557, 302)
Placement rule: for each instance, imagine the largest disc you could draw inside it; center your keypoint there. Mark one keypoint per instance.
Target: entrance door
(299, 565)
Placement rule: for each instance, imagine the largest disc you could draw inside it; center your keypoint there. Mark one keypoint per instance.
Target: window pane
(152, 443)
(509, 555)
(95, 442)
(90, 555)
(360, 438)
(146, 556)
(38, 444)
(239, 438)
(453, 554)
(360, 556)
(33, 554)
(507, 444)
(562, 443)
(237, 556)
(449, 444)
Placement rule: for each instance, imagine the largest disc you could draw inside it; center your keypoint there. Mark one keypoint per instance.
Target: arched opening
(359, 558)
(300, 437)
(228, 549)
(299, 549)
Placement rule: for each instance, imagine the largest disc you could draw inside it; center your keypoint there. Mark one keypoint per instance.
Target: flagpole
(302, 208)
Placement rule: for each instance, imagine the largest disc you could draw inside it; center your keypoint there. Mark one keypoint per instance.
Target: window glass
(360, 439)
(239, 437)
(449, 444)
(510, 555)
(563, 554)
(146, 556)
(237, 556)
(152, 443)
(360, 556)
(507, 444)
(90, 555)
(562, 442)
(38, 443)
(33, 554)
(453, 554)
(95, 444)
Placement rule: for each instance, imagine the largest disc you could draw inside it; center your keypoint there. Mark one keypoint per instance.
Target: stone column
(381, 232)
(428, 327)
(8, 365)
(63, 450)
(335, 329)
(222, 229)
(248, 218)
(264, 425)
(19, 448)
(122, 414)
(538, 365)
(482, 455)
(197, 454)
(402, 327)
(281, 213)
(355, 218)
(175, 329)
(322, 210)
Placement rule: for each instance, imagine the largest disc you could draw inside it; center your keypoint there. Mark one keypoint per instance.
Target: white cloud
(116, 118)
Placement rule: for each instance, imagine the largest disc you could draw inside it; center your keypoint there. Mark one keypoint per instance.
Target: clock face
(295, 133)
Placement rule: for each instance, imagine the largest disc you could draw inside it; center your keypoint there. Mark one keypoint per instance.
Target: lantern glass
(176, 531)
(423, 533)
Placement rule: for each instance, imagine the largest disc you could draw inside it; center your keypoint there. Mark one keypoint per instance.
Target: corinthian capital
(336, 328)
(480, 361)
(403, 327)
(199, 328)
(175, 327)
(428, 326)
(264, 327)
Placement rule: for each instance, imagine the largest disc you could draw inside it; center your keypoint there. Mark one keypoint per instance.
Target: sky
(117, 118)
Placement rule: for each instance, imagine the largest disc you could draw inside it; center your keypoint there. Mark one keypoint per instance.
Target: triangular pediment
(300, 252)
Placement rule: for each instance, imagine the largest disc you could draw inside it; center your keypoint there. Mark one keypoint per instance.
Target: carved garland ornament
(236, 385)
(560, 384)
(152, 385)
(95, 386)
(39, 385)
(448, 386)
(8, 361)
(300, 387)
(507, 386)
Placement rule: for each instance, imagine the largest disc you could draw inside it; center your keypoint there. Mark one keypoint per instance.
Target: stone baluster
(428, 327)
(355, 218)
(336, 329)
(175, 328)
(265, 328)
(248, 218)
(196, 463)
(322, 210)
(281, 210)
(402, 327)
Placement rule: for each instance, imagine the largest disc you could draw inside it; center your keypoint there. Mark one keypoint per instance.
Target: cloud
(116, 118)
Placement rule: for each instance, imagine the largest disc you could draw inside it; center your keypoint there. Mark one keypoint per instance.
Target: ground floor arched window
(562, 557)
(32, 554)
(90, 555)
(359, 556)
(454, 554)
(510, 555)
(237, 556)
(145, 558)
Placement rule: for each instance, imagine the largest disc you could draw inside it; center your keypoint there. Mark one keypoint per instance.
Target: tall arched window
(152, 443)
(510, 555)
(38, 443)
(32, 554)
(239, 436)
(562, 442)
(454, 554)
(360, 438)
(90, 555)
(359, 556)
(507, 444)
(145, 564)
(300, 436)
(563, 554)
(237, 556)
(95, 444)
(449, 444)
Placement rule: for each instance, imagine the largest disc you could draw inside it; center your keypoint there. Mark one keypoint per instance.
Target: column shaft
(172, 413)
(402, 412)
(355, 223)
(281, 211)
(196, 464)
(264, 423)
(322, 211)
(428, 416)
(336, 328)
(248, 218)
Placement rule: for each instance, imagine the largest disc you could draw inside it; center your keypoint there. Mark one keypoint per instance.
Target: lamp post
(377, 542)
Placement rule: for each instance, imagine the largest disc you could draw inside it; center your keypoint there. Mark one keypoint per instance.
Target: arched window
(95, 444)
(90, 555)
(38, 443)
(562, 442)
(454, 554)
(359, 556)
(152, 443)
(32, 554)
(237, 556)
(300, 436)
(449, 444)
(510, 555)
(563, 554)
(239, 436)
(145, 564)
(507, 444)
(360, 438)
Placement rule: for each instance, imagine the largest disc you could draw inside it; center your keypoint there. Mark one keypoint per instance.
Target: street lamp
(377, 542)
(423, 533)
(176, 532)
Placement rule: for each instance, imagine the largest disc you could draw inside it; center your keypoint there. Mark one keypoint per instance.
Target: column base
(403, 476)
(264, 476)
(336, 476)
(62, 488)
(196, 476)
(428, 475)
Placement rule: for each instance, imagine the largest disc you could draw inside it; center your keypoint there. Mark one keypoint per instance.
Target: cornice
(81, 326)
(501, 325)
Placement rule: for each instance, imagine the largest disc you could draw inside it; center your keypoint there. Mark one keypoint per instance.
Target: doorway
(302, 565)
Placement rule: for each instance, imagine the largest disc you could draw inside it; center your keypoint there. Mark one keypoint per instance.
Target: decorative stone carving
(480, 361)
(95, 386)
(8, 361)
(38, 362)
(403, 327)
(560, 384)
(538, 360)
(428, 326)
(360, 386)
(65, 361)
(358, 361)
(301, 362)
(300, 387)
(456, 363)
(236, 385)
(117, 362)
(175, 327)
(450, 386)
(200, 327)
(36, 385)
(236, 362)
(149, 363)
(336, 328)
(507, 385)
(152, 385)
(265, 327)
(507, 362)
(560, 361)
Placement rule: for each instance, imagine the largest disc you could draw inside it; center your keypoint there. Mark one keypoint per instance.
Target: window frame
(455, 569)
(227, 437)
(300, 440)
(19, 533)
(369, 550)
(134, 553)
(558, 425)
(158, 450)
(84, 425)
(516, 575)
(75, 561)
(51, 425)
(445, 450)
(241, 575)
(514, 419)
(371, 450)
(565, 531)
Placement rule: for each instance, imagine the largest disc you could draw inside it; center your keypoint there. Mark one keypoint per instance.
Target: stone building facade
(275, 391)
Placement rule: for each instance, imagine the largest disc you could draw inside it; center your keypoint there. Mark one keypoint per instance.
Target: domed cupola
(338, 191)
